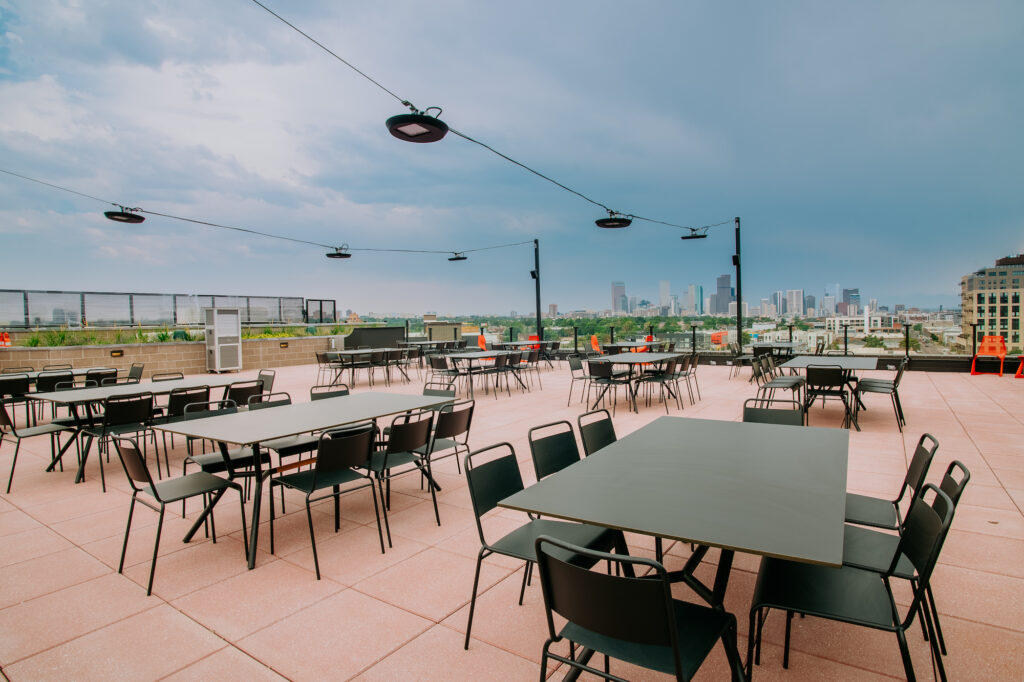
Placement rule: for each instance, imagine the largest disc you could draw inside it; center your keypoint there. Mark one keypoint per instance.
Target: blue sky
(872, 144)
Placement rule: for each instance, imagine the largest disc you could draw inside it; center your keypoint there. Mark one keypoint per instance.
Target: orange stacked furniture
(991, 347)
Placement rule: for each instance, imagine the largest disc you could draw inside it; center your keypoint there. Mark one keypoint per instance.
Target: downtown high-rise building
(779, 301)
(620, 304)
(809, 303)
(664, 296)
(828, 305)
(694, 299)
(851, 297)
(723, 294)
(795, 302)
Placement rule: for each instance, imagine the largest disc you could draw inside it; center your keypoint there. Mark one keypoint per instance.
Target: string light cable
(616, 218)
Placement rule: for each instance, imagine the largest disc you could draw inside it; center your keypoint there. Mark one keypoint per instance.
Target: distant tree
(918, 327)
(914, 344)
(872, 341)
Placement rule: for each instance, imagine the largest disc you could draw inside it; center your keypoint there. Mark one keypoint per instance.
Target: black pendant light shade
(125, 215)
(419, 126)
(457, 256)
(614, 220)
(694, 234)
(339, 252)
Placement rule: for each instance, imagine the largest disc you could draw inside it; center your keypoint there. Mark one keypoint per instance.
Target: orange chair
(991, 347)
(534, 337)
(1020, 368)
(482, 342)
(595, 345)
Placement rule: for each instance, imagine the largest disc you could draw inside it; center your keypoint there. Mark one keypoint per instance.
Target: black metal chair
(492, 481)
(765, 411)
(341, 460)
(408, 438)
(596, 430)
(828, 381)
(665, 378)
(166, 376)
(328, 391)
(8, 431)
(451, 431)
(232, 461)
(174, 411)
(854, 595)
(122, 414)
(875, 550)
(135, 371)
(266, 378)
(554, 451)
(199, 484)
(46, 381)
(240, 391)
(864, 510)
(14, 389)
(603, 376)
(577, 373)
(886, 387)
(631, 619)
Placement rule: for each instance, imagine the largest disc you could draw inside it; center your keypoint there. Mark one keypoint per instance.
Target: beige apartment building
(991, 299)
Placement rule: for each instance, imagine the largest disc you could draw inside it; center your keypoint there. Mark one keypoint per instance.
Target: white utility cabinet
(223, 339)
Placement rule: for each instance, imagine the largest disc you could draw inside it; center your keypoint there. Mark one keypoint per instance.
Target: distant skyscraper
(872, 305)
(828, 304)
(619, 297)
(664, 297)
(634, 302)
(674, 307)
(795, 302)
(809, 302)
(851, 297)
(723, 291)
(552, 310)
(779, 301)
(695, 294)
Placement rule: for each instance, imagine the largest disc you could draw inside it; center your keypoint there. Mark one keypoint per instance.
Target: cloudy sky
(872, 144)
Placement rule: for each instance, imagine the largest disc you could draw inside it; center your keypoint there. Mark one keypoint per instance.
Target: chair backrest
(825, 377)
(241, 391)
(924, 453)
(438, 362)
(265, 400)
(114, 381)
(127, 409)
(135, 371)
(638, 609)
(454, 420)
(6, 423)
(440, 389)
(213, 408)
(179, 398)
(899, 373)
(167, 376)
(59, 365)
(596, 430)
(344, 449)
(321, 357)
(554, 451)
(17, 370)
(482, 342)
(992, 345)
(762, 411)
(266, 378)
(921, 539)
(491, 481)
(950, 485)
(15, 385)
(328, 391)
(501, 361)
(100, 375)
(594, 345)
(600, 370)
(47, 380)
(410, 431)
(575, 366)
(135, 466)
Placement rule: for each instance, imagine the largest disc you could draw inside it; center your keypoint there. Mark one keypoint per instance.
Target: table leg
(256, 502)
(202, 517)
(714, 595)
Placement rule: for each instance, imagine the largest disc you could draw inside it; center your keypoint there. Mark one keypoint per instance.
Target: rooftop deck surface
(65, 613)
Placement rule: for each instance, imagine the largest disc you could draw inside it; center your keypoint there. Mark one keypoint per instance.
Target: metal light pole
(739, 289)
(536, 278)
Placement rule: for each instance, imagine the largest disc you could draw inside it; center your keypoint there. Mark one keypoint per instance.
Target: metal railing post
(575, 340)
(693, 338)
(790, 333)
(906, 340)
(846, 339)
(612, 330)
(974, 339)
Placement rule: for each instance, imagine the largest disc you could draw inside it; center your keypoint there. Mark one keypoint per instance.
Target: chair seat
(871, 511)
(303, 480)
(190, 485)
(42, 429)
(873, 550)
(866, 386)
(395, 460)
(848, 594)
(241, 458)
(520, 543)
(115, 429)
(292, 445)
(699, 628)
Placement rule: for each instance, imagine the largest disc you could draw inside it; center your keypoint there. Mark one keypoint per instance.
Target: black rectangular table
(249, 429)
(759, 488)
(632, 360)
(849, 363)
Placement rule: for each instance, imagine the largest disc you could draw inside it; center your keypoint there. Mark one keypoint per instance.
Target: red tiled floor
(65, 613)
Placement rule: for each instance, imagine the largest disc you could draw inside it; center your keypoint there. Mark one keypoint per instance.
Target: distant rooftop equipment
(223, 339)
(1011, 260)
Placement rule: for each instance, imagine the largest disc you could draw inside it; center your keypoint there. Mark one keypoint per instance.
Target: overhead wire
(468, 138)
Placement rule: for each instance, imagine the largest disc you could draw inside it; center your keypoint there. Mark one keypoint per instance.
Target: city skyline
(850, 153)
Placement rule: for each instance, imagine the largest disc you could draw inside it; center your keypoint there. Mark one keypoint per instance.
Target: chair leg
(312, 538)
(127, 529)
(527, 570)
(156, 549)
(10, 479)
(376, 512)
(245, 534)
(729, 641)
(272, 514)
(785, 653)
(908, 664)
(472, 599)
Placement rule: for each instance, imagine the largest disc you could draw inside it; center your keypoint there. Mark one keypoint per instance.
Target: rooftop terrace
(65, 613)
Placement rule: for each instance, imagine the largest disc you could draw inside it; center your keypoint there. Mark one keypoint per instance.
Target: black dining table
(633, 361)
(763, 489)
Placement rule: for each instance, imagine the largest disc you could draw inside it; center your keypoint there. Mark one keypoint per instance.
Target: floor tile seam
(397, 648)
(988, 394)
(975, 444)
(86, 633)
(845, 664)
(490, 644)
(229, 645)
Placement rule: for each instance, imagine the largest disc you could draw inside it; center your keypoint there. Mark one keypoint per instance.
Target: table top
(848, 362)
(88, 395)
(775, 344)
(520, 344)
(635, 358)
(758, 488)
(256, 426)
(633, 344)
(422, 343)
(478, 354)
(360, 351)
(78, 371)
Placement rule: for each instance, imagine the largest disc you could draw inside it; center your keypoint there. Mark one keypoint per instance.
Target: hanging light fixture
(458, 255)
(339, 252)
(125, 215)
(419, 126)
(614, 220)
(695, 233)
